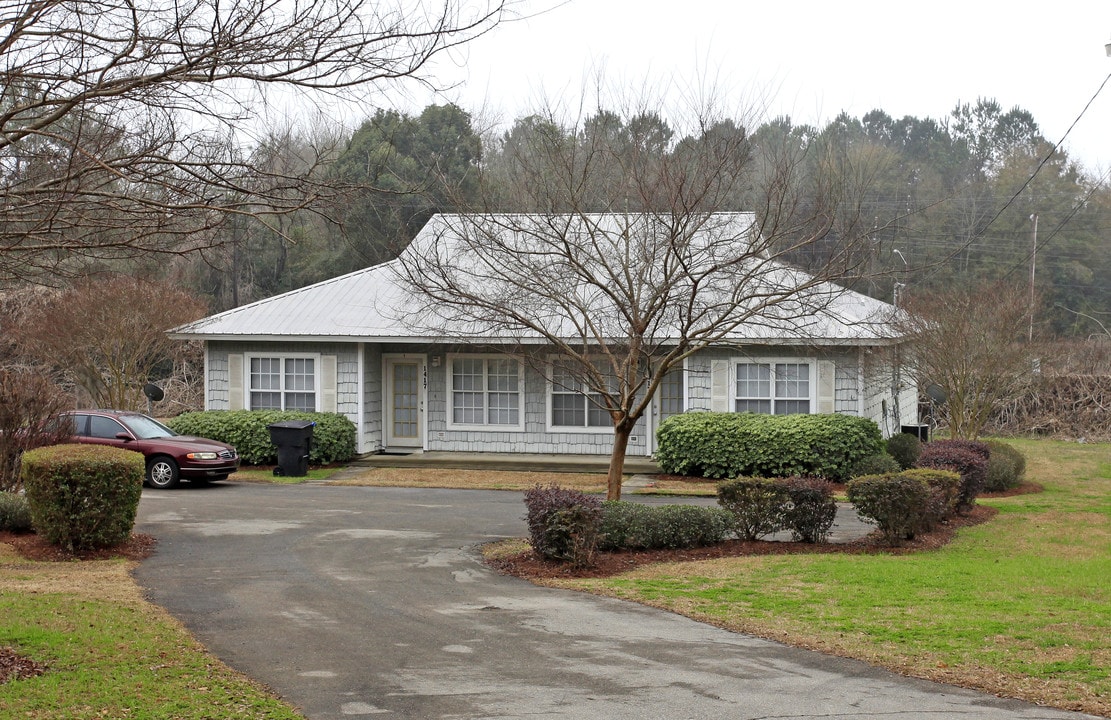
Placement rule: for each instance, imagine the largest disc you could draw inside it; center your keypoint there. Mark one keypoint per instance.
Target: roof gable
(375, 304)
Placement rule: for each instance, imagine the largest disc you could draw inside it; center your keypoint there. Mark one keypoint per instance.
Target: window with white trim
(775, 388)
(485, 391)
(282, 383)
(572, 406)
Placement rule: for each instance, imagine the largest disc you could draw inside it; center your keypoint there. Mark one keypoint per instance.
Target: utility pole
(1033, 262)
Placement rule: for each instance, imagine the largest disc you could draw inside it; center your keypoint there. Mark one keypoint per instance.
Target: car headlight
(201, 456)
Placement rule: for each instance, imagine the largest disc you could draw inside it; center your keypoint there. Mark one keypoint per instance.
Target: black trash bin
(293, 439)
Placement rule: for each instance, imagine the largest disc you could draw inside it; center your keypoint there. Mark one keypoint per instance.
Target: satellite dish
(153, 392)
(937, 393)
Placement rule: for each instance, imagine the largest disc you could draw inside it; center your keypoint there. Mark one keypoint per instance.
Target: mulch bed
(529, 565)
(34, 547)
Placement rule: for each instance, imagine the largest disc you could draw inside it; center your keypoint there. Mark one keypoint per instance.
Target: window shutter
(719, 385)
(235, 381)
(328, 383)
(826, 386)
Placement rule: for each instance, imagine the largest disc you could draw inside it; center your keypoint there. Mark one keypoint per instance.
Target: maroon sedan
(170, 457)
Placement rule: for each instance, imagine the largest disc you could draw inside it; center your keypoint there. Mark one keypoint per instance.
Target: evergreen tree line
(941, 203)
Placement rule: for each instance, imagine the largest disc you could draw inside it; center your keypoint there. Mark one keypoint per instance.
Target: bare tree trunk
(617, 461)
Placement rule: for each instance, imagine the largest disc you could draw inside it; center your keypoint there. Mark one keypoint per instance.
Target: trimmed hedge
(879, 464)
(897, 503)
(333, 438)
(634, 526)
(720, 445)
(755, 504)
(15, 513)
(944, 487)
(1006, 466)
(563, 524)
(83, 496)
(811, 509)
(905, 448)
(967, 457)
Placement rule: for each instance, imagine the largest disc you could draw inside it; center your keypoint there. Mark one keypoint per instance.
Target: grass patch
(1017, 606)
(469, 479)
(109, 653)
(252, 473)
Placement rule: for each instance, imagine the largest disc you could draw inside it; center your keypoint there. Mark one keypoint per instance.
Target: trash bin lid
(292, 424)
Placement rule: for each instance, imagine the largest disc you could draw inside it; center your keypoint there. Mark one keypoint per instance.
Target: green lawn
(109, 653)
(1020, 605)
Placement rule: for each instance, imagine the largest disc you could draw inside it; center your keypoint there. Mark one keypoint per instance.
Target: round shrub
(896, 503)
(1006, 467)
(563, 524)
(967, 457)
(944, 486)
(15, 513)
(756, 506)
(810, 510)
(905, 448)
(876, 465)
(83, 496)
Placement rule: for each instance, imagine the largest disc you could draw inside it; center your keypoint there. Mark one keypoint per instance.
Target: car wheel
(162, 473)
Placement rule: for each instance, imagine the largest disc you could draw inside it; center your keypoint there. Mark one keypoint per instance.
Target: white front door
(404, 400)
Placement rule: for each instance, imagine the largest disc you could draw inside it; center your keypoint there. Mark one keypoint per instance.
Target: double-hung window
(776, 388)
(572, 406)
(485, 391)
(282, 383)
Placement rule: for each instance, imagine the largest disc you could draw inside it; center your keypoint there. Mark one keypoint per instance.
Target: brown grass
(467, 479)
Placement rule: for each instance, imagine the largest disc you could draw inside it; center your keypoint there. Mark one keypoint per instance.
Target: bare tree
(125, 127)
(107, 336)
(632, 256)
(970, 342)
(29, 405)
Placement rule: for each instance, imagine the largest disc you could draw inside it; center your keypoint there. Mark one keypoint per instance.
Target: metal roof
(375, 304)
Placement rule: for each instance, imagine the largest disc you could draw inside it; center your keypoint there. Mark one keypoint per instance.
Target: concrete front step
(518, 462)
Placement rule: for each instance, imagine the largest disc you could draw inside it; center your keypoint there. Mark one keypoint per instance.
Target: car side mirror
(123, 436)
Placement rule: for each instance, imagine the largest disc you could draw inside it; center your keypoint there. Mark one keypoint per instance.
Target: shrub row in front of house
(333, 437)
(570, 526)
(729, 445)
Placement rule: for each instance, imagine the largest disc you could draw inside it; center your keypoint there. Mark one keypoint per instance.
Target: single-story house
(351, 345)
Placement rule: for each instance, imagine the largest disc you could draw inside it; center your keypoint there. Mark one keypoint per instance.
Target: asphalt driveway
(356, 602)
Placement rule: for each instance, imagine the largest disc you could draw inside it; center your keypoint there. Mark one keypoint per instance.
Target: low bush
(1006, 467)
(719, 445)
(634, 526)
(810, 510)
(944, 487)
(83, 496)
(333, 437)
(897, 503)
(905, 448)
(15, 513)
(755, 505)
(563, 524)
(877, 464)
(967, 457)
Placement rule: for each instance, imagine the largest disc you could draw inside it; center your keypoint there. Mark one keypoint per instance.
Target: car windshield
(146, 428)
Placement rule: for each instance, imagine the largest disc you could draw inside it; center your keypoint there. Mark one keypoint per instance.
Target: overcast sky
(810, 59)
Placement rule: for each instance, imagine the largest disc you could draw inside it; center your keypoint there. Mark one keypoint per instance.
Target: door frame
(389, 360)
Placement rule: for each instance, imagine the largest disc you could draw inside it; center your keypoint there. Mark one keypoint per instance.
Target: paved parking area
(357, 602)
